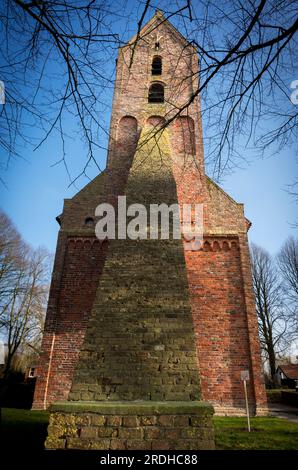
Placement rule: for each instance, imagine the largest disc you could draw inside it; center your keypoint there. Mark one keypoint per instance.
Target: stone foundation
(131, 426)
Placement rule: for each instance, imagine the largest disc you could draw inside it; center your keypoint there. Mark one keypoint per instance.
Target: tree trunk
(272, 364)
(7, 366)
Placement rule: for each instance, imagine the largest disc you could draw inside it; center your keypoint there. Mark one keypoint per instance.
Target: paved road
(283, 411)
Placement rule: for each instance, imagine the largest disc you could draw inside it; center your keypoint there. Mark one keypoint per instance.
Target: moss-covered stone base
(131, 426)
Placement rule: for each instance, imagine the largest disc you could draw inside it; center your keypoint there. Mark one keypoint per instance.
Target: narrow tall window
(31, 372)
(156, 93)
(156, 66)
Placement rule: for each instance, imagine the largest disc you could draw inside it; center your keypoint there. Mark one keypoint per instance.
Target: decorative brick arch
(184, 135)
(156, 121)
(127, 136)
(127, 132)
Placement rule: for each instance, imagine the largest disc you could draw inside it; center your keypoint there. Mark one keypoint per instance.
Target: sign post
(245, 378)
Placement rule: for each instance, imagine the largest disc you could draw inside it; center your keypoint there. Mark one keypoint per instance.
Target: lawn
(27, 429)
(266, 433)
(23, 428)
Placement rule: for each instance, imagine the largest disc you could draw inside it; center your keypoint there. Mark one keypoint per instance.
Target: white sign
(245, 375)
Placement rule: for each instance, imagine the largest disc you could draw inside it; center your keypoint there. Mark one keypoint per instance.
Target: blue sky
(34, 189)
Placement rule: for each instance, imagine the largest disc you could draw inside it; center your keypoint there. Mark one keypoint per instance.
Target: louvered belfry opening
(156, 66)
(156, 93)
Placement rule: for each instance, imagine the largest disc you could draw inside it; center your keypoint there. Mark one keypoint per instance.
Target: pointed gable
(156, 21)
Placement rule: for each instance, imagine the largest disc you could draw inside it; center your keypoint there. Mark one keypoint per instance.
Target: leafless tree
(55, 55)
(272, 316)
(24, 281)
(288, 265)
(11, 247)
(26, 310)
(56, 58)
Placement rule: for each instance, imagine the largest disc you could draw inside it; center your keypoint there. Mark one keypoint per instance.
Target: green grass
(267, 433)
(23, 428)
(27, 429)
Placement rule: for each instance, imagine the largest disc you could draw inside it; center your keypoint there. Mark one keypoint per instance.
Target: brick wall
(216, 286)
(140, 343)
(65, 329)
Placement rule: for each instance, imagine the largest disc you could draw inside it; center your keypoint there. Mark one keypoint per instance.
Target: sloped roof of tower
(152, 24)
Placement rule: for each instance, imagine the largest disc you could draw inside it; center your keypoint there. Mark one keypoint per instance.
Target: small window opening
(89, 222)
(156, 93)
(31, 373)
(157, 46)
(156, 66)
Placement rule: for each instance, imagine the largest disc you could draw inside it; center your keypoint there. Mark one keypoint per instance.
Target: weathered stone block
(98, 420)
(107, 432)
(130, 421)
(161, 445)
(172, 434)
(82, 419)
(114, 421)
(130, 433)
(89, 432)
(148, 420)
(153, 432)
(136, 445)
(56, 431)
(117, 444)
(182, 421)
(53, 442)
(198, 421)
(78, 443)
(166, 421)
(102, 444)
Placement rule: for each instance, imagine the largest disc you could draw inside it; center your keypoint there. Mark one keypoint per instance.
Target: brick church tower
(140, 334)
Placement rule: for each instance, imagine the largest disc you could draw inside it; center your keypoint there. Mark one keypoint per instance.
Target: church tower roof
(153, 24)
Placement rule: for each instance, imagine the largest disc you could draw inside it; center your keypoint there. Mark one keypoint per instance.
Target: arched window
(156, 66)
(156, 93)
(89, 222)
